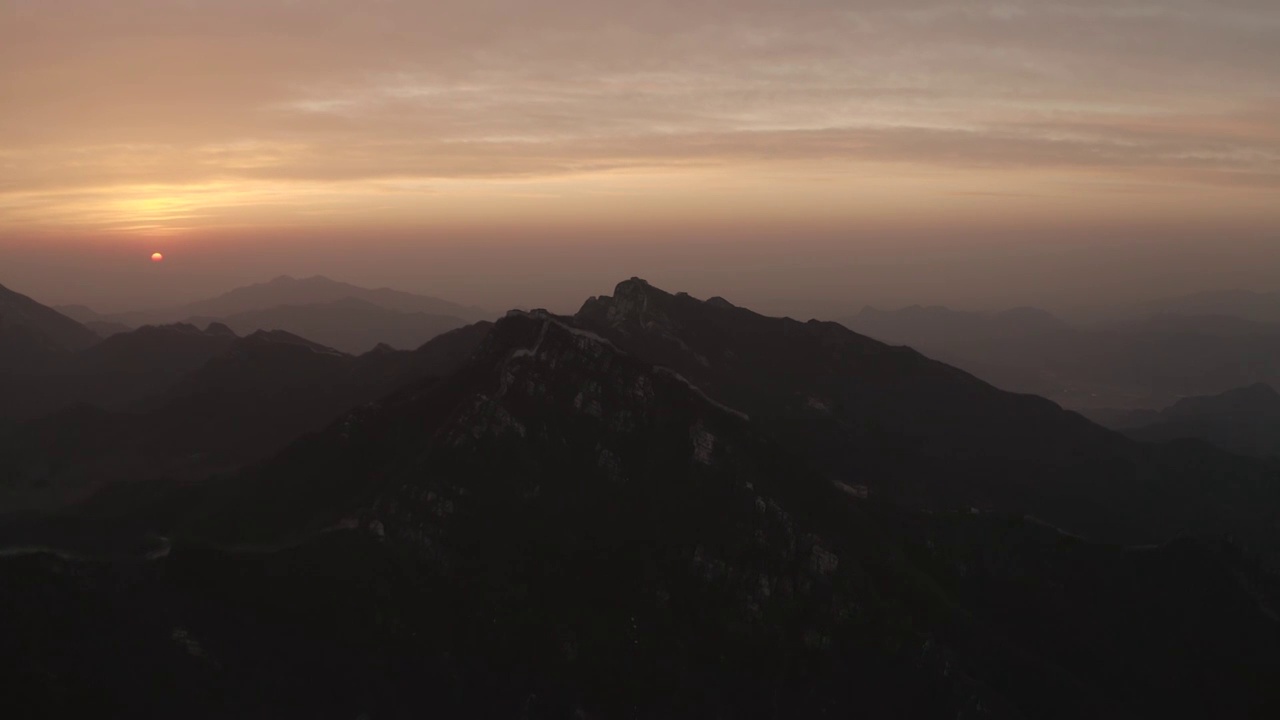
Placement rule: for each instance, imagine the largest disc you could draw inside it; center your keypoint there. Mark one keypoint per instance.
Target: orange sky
(226, 124)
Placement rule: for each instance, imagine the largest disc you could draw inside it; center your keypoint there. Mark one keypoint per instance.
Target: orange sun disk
(156, 257)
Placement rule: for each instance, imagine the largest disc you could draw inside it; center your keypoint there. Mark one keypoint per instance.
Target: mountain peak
(634, 302)
(632, 284)
(217, 328)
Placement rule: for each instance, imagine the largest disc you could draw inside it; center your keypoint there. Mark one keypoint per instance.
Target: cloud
(136, 93)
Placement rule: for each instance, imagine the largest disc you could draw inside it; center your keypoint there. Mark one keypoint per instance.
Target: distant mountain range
(911, 428)
(1244, 420)
(284, 291)
(223, 402)
(657, 507)
(343, 316)
(349, 324)
(1138, 363)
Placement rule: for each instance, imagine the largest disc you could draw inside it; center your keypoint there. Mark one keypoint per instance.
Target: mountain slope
(616, 535)
(348, 324)
(562, 529)
(926, 434)
(32, 335)
(117, 373)
(246, 402)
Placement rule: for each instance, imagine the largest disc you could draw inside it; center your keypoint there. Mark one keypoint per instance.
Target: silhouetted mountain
(286, 290)
(561, 528)
(926, 434)
(117, 373)
(1245, 420)
(350, 325)
(32, 336)
(128, 368)
(1140, 363)
(249, 400)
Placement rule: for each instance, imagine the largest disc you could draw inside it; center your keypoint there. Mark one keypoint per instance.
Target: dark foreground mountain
(561, 528)
(1245, 420)
(350, 325)
(1143, 363)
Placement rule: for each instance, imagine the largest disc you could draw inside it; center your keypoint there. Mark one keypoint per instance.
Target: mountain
(32, 335)
(129, 368)
(249, 400)
(66, 420)
(81, 313)
(102, 325)
(1245, 420)
(348, 324)
(561, 528)
(285, 290)
(117, 373)
(1135, 364)
(344, 316)
(922, 433)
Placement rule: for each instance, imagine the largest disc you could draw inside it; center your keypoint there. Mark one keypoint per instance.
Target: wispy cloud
(115, 97)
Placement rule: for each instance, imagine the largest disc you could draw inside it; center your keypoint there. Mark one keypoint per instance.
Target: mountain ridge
(918, 431)
(288, 290)
(1243, 420)
(33, 335)
(349, 324)
(642, 511)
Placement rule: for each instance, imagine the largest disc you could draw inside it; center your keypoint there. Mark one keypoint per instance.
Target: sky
(800, 155)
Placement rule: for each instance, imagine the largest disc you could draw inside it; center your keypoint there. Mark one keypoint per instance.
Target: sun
(156, 257)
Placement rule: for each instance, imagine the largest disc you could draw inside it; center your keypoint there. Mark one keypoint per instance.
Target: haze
(804, 157)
